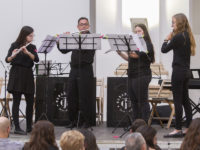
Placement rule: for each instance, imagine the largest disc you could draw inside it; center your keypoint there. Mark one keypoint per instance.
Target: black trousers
(29, 108)
(80, 91)
(138, 92)
(180, 79)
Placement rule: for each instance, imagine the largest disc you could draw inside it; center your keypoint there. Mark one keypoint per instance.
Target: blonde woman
(182, 42)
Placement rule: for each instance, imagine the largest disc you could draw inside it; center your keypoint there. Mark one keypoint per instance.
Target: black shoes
(71, 125)
(28, 130)
(85, 125)
(179, 134)
(19, 131)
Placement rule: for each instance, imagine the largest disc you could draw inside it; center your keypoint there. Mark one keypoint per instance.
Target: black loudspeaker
(51, 99)
(118, 102)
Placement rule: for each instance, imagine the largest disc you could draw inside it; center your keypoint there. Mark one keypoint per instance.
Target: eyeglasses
(83, 24)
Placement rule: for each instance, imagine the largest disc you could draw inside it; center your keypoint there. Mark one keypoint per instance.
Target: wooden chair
(8, 98)
(1, 99)
(157, 69)
(100, 100)
(161, 95)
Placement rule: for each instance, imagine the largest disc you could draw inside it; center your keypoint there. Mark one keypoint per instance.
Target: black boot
(19, 131)
(71, 125)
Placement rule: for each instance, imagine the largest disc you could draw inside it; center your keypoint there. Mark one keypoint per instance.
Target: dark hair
(90, 140)
(25, 31)
(137, 123)
(192, 137)
(148, 133)
(146, 36)
(83, 18)
(41, 137)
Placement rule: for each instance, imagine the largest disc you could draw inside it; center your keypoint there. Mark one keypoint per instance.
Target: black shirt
(79, 58)
(180, 44)
(141, 66)
(22, 59)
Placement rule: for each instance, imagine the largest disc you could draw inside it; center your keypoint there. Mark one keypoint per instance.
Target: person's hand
(14, 53)
(118, 52)
(169, 37)
(133, 55)
(24, 50)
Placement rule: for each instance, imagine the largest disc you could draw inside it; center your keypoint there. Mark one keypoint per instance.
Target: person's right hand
(14, 53)
(118, 52)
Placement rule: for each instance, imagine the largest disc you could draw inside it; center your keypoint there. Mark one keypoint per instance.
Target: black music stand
(127, 43)
(80, 42)
(46, 48)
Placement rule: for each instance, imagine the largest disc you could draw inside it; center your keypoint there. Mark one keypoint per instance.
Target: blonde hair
(72, 140)
(183, 25)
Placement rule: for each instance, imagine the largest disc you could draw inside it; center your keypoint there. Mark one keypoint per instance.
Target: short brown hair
(137, 123)
(72, 140)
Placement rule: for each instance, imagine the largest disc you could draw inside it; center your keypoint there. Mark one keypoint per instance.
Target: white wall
(45, 16)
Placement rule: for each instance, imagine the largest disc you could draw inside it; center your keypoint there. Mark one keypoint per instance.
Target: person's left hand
(169, 37)
(24, 50)
(133, 55)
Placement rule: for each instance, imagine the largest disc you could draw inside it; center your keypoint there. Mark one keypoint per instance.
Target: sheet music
(140, 42)
(48, 44)
(71, 41)
(195, 74)
(117, 42)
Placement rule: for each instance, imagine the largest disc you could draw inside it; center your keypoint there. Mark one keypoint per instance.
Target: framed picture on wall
(135, 21)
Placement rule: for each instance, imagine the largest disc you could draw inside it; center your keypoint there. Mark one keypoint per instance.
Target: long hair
(146, 36)
(148, 133)
(192, 137)
(90, 140)
(42, 136)
(25, 31)
(183, 25)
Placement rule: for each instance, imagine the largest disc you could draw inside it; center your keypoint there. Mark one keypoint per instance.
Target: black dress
(21, 75)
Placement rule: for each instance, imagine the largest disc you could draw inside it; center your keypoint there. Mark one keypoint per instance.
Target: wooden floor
(109, 141)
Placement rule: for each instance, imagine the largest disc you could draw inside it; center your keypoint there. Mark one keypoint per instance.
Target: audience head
(42, 136)
(192, 137)
(180, 24)
(90, 140)
(72, 140)
(4, 127)
(136, 124)
(149, 135)
(135, 141)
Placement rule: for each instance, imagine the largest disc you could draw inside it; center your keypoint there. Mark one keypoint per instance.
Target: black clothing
(138, 92)
(80, 85)
(29, 109)
(22, 59)
(80, 89)
(21, 81)
(141, 66)
(139, 77)
(180, 44)
(50, 147)
(80, 58)
(21, 74)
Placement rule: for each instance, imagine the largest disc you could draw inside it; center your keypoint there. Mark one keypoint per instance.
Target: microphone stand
(4, 111)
